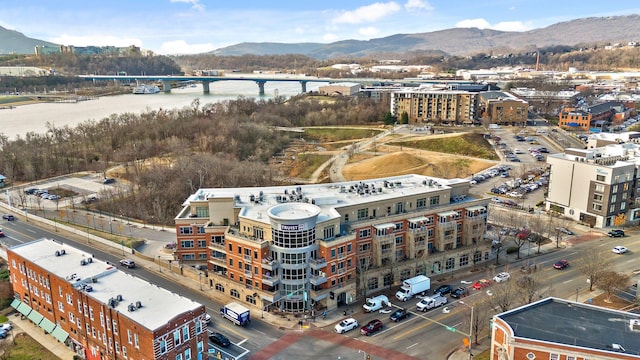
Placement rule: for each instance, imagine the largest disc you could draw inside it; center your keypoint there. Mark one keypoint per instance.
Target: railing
(248, 273)
(247, 258)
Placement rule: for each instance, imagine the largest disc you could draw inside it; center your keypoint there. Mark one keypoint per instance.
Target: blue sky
(194, 26)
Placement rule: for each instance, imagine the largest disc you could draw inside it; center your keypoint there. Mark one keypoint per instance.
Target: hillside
(13, 42)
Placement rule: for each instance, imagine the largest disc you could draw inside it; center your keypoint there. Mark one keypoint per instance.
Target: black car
(459, 292)
(219, 339)
(616, 233)
(8, 217)
(443, 289)
(398, 315)
(109, 181)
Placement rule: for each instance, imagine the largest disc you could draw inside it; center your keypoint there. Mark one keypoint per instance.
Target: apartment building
(433, 105)
(320, 246)
(597, 187)
(99, 311)
(497, 107)
(556, 329)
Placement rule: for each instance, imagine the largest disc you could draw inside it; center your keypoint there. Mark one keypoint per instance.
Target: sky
(196, 26)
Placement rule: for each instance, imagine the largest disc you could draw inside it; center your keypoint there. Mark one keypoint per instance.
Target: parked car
(561, 264)
(565, 230)
(108, 181)
(128, 263)
(346, 325)
(371, 327)
(6, 326)
(8, 217)
(481, 284)
(219, 339)
(616, 233)
(501, 277)
(459, 293)
(443, 289)
(3, 334)
(1, 233)
(620, 249)
(398, 315)
(30, 191)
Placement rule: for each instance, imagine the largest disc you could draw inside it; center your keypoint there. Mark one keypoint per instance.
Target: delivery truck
(416, 285)
(375, 303)
(235, 312)
(431, 302)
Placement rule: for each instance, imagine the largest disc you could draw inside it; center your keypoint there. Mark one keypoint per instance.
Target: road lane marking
(243, 341)
(409, 347)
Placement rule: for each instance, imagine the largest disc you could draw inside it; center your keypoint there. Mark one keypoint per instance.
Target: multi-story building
(595, 186)
(557, 329)
(100, 311)
(431, 105)
(574, 119)
(323, 245)
(497, 107)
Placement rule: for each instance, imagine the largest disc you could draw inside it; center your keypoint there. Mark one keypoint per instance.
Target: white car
(346, 325)
(6, 327)
(501, 277)
(620, 249)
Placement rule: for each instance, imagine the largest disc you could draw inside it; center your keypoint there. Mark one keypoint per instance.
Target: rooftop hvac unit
(83, 262)
(94, 279)
(138, 304)
(131, 308)
(119, 297)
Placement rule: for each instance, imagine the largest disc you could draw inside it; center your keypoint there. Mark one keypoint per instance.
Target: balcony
(318, 264)
(220, 260)
(384, 239)
(247, 258)
(248, 274)
(218, 246)
(271, 296)
(270, 280)
(318, 280)
(270, 264)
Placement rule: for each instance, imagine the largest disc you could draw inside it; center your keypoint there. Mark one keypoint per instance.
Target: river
(34, 118)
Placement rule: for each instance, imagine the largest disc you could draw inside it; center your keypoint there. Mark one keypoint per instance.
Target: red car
(561, 264)
(373, 326)
(481, 284)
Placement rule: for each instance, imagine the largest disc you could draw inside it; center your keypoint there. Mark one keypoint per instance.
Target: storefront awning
(24, 309)
(60, 334)
(47, 325)
(36, 317)
(15, 303)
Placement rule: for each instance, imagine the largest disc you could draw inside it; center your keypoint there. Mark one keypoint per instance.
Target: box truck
(235, 312)
(431, 302)
(416, 285)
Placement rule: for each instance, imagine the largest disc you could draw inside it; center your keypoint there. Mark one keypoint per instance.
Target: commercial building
(597, 187)
(556, 329)
(502, 108)
(320, 246)
(574, 119)
(340, 88)
(100, 311)
(431, 105)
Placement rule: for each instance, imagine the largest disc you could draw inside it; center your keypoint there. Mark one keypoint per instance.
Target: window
(186, 230)
(250, 299)
(60, 306)
(614, 197)
(200, 229)
(235, 293)
(597, 207)
(129, 337)
(365, 233)
(179, 357)
(364, 247)
(363, 213)
(612, 208)
(186, 243)
(348, 248)
(398, 226)
(187, 354)
(434, 200)
(614, 188)
(329, 232)
(198, 327)
(599, 188)
(554, 356)
(333, 253)
(176, 338)
(202, 243)
(219, 287)
(398, 240)
(163, 346)
(623, 206)
(388, 279)
(185, 332)
(69, 299)
(71, 318)
(372, 283)
(200, 346)
(597, 197)
(451, 262)
(421, 203)
(464, 260)
(124, 351)
(600, 178)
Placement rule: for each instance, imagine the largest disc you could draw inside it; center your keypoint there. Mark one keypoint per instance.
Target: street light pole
(470, 326)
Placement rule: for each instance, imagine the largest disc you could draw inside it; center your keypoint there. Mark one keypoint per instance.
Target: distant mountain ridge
(14, 42)
(459, 41)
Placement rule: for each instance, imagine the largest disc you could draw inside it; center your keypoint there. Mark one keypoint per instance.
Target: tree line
(167, 154)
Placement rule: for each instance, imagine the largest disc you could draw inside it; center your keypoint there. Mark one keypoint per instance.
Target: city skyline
(198, 26)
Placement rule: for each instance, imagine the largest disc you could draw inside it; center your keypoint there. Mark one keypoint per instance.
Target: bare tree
(611, 281)
(504, 295)
(482, 312)
(530, 287)
(539, 227)
(593, 264)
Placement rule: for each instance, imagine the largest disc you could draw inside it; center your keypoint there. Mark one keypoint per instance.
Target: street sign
(450, 328)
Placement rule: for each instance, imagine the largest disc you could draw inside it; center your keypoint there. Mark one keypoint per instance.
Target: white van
(375, 303)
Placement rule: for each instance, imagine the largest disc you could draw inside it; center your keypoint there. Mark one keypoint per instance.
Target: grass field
(26, 348)
(469, 144)
(330, 134)
(306, 164)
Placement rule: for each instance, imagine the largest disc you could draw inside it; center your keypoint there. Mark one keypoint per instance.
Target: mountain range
(455, 41)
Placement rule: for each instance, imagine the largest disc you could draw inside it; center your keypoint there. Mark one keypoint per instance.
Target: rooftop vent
(138, 304)
(60, 252)
(131, 307)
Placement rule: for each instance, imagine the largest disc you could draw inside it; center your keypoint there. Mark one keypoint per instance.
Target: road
(253, 337)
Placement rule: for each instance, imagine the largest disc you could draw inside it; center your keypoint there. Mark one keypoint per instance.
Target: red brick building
(100, 311)
(556, 329)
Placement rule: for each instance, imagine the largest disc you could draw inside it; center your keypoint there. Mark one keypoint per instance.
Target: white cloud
(181, 47)
(510, 26)
(473, 23)
(412, 5)
(96, 40)
(329, 37)
(368, 13)
(484, 24)
(195, 4)
(299, 30)
(369, 31)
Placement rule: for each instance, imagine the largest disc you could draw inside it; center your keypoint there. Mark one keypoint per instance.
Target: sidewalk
(49, 342)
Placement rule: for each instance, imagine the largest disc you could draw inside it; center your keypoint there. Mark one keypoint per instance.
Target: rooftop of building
(612, 155)
(256, 201)
(575, 324)
(144, 303)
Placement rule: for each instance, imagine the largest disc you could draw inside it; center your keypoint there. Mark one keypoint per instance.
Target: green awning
(15, 303)
(24, 309)
(36, 317)
(47, 325)
(60, 334)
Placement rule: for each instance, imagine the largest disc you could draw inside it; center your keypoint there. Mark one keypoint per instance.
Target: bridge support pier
(166, 86)
(304, 86)
(205, 86)
(260, 87)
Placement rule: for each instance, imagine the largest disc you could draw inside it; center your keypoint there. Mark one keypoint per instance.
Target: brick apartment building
(99, 311)
(439, 106)
(556, 329)
(320, 246)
